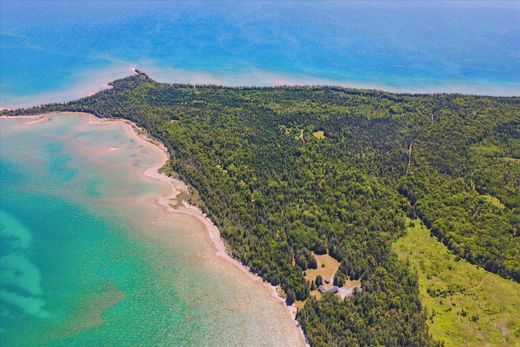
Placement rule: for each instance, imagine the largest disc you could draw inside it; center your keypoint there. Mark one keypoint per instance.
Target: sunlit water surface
(56, 51)
(88, 257)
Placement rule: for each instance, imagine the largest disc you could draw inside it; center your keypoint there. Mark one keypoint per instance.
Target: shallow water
(56, 51)
(88, 257)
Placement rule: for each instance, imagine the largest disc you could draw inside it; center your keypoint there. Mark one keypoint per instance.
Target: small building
(332, 290)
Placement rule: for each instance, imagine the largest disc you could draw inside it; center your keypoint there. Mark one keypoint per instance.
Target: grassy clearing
(320, 134)
(466, 305)
(514, 160)
(493, 201)
(487, 149)
(327, 267)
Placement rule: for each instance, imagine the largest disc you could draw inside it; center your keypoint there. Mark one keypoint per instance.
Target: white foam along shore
(178, 187)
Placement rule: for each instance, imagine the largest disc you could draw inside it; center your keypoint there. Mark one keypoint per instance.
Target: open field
(327, 267)
(320, 134)
(466, 305)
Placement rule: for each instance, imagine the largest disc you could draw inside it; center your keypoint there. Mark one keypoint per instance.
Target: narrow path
(475, 287)
(409, 156)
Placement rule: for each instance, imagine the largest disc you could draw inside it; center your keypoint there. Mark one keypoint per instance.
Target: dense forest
(286, 172)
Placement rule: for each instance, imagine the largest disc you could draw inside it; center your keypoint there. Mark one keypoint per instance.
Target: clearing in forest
(320, 134)
(465, 304)
(327, 268)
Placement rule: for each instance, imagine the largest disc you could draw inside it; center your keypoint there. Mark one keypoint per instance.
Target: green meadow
(466, 305)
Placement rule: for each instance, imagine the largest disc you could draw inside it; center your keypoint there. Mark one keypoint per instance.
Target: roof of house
(332, 290)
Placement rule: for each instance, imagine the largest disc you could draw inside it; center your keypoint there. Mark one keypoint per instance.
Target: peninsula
(319, 190)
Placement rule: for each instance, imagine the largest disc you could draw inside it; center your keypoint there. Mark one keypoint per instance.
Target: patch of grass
(466, 305)
(320, 134)
(511, 159)
(487, 149)
(493, 201)
(327, 267)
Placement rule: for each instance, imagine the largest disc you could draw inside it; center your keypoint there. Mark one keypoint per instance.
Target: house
(332, 290)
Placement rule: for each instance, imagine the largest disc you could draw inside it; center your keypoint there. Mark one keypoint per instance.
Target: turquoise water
(88, 257)
(59, 50)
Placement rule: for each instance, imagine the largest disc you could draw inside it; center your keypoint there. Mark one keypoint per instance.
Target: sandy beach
(178, 189)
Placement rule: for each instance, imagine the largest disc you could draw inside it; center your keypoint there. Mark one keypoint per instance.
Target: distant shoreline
(255, 78)
(178, 187)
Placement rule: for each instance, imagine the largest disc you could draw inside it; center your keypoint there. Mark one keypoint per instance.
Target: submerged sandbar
(207, 279)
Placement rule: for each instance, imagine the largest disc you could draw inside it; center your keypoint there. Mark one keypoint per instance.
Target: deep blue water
(54, 50)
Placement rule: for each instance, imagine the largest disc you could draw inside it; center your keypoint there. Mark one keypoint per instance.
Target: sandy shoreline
(178, 187)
